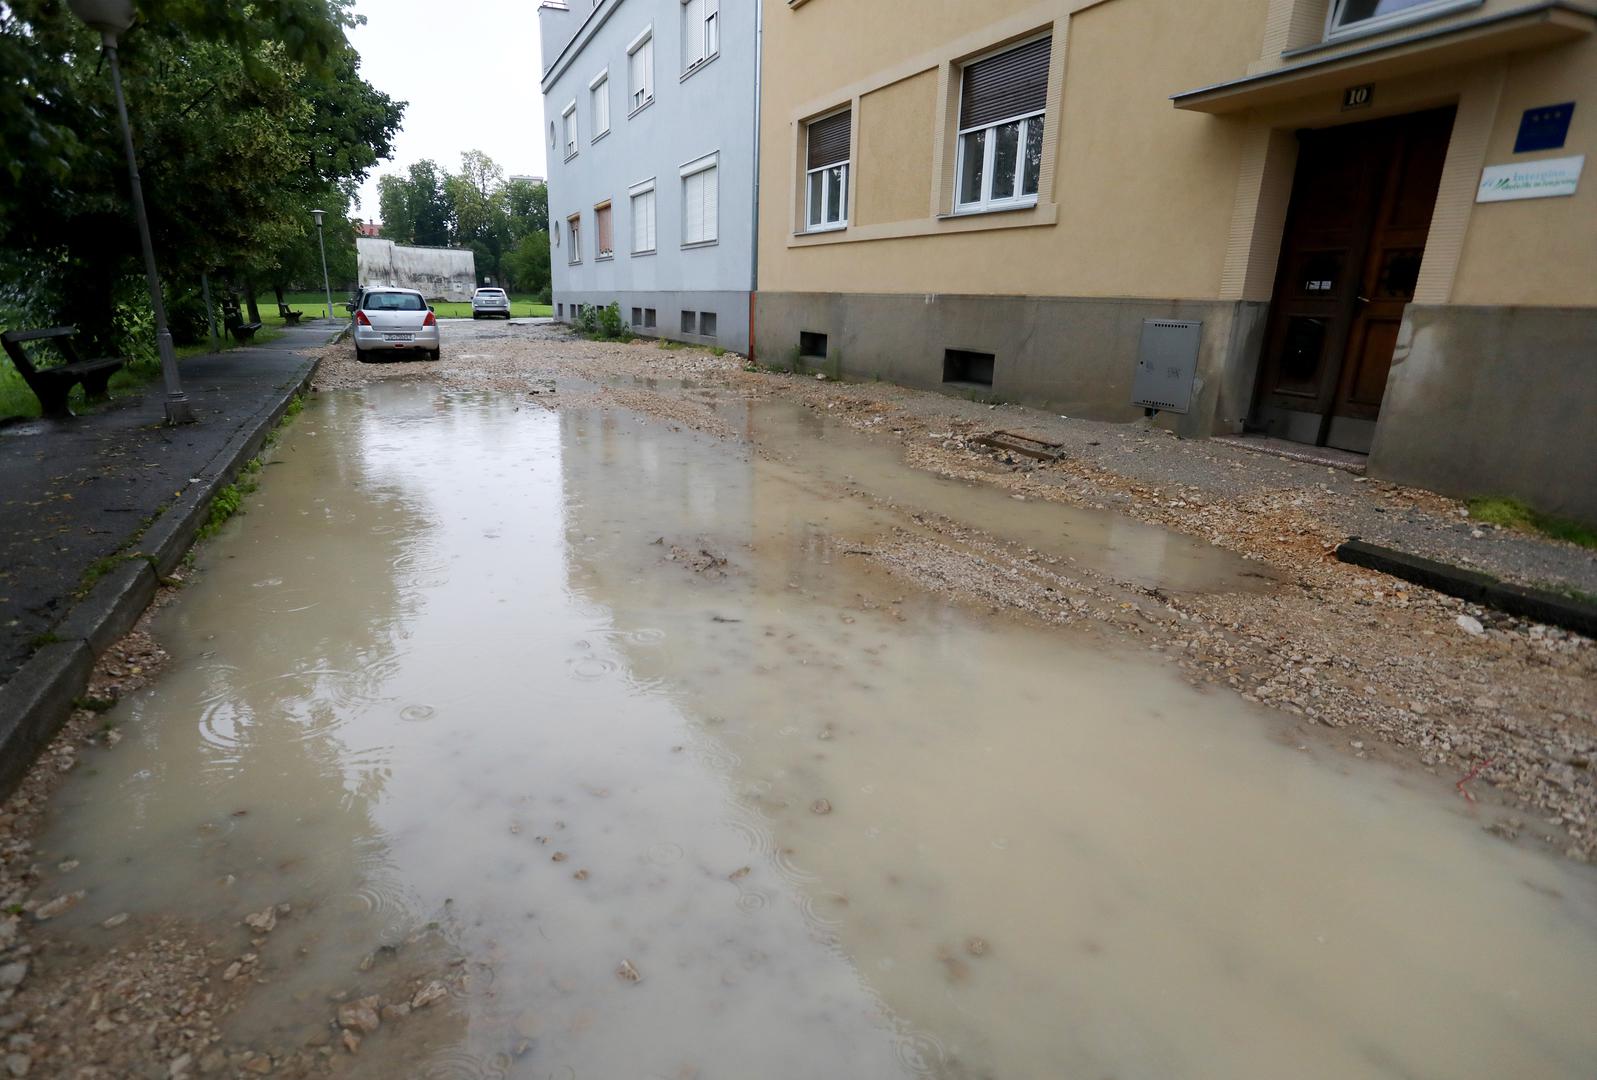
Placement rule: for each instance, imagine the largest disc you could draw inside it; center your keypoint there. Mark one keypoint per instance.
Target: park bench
(51, 385)
(243, 331)
(289, 316)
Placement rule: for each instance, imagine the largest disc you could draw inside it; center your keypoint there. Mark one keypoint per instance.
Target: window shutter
(829, 139)
(693, 208)
(692, 33)
(1013, 83)
(648, 202)
(602, 220)
(711, 199)
(639, 226)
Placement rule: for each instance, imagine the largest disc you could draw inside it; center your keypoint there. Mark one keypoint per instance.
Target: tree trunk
(249, 298)
(278, 291)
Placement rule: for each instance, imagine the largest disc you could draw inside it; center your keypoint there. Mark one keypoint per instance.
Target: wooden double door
(1355, 238)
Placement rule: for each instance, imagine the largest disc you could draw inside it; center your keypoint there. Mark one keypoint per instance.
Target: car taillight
(430, 320)
(360, 317)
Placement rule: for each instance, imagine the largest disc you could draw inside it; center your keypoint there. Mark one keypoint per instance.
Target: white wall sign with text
(1530, 179)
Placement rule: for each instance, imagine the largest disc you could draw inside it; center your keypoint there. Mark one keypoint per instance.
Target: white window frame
(707, 34)
(635, 192)
(599, 254)
(826, 193)
(568, 123)
(698, 165)
(640, 98)
(990, 150)
(574, 249)
(599, 92)
(1336, 28)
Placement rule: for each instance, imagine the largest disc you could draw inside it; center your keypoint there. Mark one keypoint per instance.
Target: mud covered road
(566, 709)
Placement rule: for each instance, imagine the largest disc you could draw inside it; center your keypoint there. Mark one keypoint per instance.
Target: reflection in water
(593, 695)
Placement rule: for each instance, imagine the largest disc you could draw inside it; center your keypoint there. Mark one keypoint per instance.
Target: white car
(489, 302)
(395, 320)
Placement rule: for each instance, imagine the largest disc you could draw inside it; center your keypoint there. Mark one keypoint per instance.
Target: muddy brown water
(838, 827)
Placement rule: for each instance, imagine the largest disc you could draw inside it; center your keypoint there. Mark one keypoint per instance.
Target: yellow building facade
(1351, 223)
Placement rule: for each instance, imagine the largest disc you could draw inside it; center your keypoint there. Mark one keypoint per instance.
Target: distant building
(368, 228)
(437, 273)
(528, 179)
(651, 133)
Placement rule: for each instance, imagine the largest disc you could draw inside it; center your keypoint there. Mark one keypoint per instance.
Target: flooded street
(602, 725)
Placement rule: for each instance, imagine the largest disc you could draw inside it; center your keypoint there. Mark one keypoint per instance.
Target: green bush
(587, 319)
(546, 295)
(610, 324)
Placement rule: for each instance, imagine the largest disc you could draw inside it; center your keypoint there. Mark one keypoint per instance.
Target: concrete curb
(36, 701)
(1474, 586)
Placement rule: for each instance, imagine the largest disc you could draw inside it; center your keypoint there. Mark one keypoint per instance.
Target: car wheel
(360, 356)
(435, 355)
(475, 316)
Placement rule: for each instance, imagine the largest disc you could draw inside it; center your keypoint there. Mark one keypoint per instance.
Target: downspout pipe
(754, 248)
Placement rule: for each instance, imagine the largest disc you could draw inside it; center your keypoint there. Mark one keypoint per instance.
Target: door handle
(1362, 299)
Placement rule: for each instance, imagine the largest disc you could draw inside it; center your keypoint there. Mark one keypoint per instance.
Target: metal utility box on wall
(1167, 361)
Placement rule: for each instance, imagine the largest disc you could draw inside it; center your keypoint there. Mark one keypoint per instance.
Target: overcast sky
(468, 68)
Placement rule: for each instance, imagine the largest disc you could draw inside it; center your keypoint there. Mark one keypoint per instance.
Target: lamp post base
(180, 411)
(178, 408)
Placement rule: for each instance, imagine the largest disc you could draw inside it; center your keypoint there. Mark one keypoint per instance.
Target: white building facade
(650, 109)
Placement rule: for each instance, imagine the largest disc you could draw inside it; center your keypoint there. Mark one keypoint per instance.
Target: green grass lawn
(1513, 514)
(522, 306)
(16, 399)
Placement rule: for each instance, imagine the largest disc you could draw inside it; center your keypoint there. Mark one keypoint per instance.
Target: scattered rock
(350, 1040)
(1470, 625)
(821, 806)
(18, 1064)
(11, 975)
(558, 856)
(262, 922)
(60, 905)
(431, 993)
(360, 1015)
(976, 946)
(628, 972)
(740, 872)
(260, 1064)
(581, 875)
(115, 921)
(396, 1012)
(180, 1066)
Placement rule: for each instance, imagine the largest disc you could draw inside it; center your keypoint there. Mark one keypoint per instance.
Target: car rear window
(491, 292)
(394, 301)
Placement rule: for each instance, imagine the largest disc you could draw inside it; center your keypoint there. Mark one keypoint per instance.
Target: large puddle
(531, 698)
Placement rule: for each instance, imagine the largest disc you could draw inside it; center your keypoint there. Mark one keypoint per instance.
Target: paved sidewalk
(73, 492)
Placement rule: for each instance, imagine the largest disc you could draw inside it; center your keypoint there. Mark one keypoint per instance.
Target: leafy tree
(528, 265)
(244, 115)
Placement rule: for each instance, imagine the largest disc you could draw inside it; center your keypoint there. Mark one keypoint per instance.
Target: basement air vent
(1167, 361)
(964, 366)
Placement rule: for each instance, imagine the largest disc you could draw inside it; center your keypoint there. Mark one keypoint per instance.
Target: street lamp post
(111, 18)
(318, 215)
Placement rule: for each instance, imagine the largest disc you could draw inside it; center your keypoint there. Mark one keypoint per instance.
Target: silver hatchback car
(395, 320)
(489, 302)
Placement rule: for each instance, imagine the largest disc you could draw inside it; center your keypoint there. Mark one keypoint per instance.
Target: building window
(604, 238)
(648, 318)
(568, 120)
(1001, 104)
(690, 321)
(560, 311)
(642, 198)
(701, 32)
(599, 91)
(700, 195)
(637, 316)
(640, 71)
(826, 172)
(706, 324)
(1371, 14)
(574, 230)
